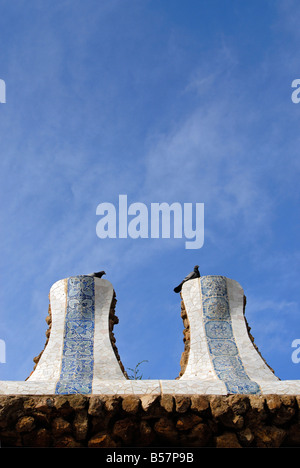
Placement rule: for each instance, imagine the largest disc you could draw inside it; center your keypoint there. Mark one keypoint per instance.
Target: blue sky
(164, 101)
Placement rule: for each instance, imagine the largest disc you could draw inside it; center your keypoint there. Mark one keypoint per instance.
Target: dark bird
(192, 275)
(97, 275)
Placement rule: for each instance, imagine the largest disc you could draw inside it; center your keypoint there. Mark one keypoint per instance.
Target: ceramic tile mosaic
(253, 363)
(79, 357)
(220, 338)
(79, 350)
(49, 365)
(220, 345)
(77, 364)
(105, 364)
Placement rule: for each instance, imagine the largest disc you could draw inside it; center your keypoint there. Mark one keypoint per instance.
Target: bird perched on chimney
(99, 274)
(192, 275)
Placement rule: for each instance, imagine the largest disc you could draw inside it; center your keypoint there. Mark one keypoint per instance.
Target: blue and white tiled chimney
(79, 350)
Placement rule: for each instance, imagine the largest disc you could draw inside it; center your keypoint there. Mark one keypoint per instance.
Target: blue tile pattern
(78, 349)
(220, 339)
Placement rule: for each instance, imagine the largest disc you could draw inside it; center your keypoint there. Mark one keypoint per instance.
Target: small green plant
(136, 372)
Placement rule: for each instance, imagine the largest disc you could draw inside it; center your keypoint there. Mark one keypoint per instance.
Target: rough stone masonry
(150, 421)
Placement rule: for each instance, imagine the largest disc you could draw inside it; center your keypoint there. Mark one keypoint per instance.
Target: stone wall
(150, 421)
(186, 340)
(113, 320)
(48, 331)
